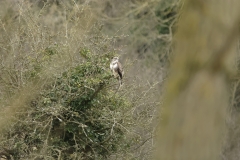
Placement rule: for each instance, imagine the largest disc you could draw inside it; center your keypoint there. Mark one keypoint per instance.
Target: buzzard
(116, 68)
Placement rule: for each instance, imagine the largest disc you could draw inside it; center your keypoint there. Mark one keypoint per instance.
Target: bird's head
(115, 59)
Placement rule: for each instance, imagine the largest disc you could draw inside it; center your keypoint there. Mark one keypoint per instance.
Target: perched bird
(116, 68)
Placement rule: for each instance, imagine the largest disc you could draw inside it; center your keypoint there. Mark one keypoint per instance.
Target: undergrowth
(59, 100)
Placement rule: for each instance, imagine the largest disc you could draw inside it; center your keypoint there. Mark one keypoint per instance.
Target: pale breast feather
(115, 66)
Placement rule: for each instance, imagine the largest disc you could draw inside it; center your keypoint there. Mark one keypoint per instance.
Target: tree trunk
(193, 114)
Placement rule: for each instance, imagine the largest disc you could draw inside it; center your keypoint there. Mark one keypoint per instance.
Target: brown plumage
(117, 69)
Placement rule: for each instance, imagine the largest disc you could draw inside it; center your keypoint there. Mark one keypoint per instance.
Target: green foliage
(59, 99)
(80, 112)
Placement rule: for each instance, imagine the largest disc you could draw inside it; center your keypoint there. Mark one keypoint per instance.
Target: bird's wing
(120, 66)
(120, 69)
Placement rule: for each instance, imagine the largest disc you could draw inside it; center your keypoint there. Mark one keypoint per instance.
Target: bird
(117, 69)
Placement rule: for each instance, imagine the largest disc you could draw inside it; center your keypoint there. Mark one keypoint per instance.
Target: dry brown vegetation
(58, 99)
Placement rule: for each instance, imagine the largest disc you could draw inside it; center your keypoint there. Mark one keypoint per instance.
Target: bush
(58, 97)
(76, 114)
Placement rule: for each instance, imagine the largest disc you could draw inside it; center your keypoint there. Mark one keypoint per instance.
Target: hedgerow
(59, 99)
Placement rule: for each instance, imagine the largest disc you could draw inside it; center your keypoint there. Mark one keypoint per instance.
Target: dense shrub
(58, 97)
(77, 115)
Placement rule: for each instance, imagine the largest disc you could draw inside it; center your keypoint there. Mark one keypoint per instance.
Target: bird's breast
(113, 65)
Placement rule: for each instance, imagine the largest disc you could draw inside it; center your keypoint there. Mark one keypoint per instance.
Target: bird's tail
(120, 74)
